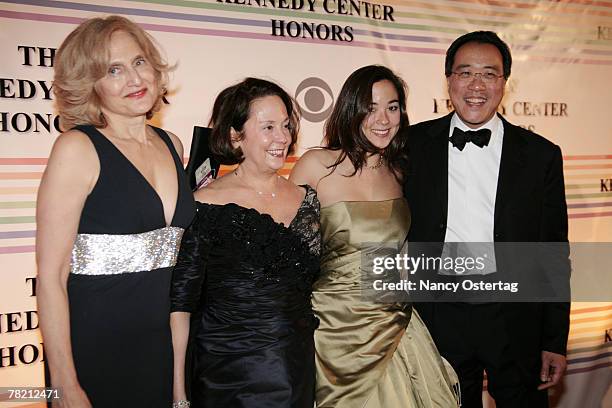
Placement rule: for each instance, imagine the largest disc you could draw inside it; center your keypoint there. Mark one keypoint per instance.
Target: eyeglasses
(486, 77)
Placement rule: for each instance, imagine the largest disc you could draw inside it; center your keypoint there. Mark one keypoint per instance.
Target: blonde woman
(112, 206)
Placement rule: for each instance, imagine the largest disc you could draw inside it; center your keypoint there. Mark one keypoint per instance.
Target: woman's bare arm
(71, 173)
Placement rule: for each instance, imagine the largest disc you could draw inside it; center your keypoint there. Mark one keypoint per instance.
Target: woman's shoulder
(73, 162)
(74, 137)
(176, 141)
(217, 192)
(319, 157)
(178, 145)
(76, 145)
(313, 165)
(208, 205)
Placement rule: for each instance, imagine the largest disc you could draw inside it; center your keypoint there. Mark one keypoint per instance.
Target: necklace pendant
(259, 193)
(264, 194)
(377, 165)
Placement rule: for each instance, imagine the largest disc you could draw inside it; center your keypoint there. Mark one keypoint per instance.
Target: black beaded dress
(249, 280)
(119, 285)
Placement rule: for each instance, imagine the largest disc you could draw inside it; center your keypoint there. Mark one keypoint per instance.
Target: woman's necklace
(259, 193)
(378, 163)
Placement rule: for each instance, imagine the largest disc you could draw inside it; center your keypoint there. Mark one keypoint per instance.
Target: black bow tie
(479, 137)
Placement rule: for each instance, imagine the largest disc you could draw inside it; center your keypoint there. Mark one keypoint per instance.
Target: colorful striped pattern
(587, 349)
(552, 32)
(19, 179)
(583, 175)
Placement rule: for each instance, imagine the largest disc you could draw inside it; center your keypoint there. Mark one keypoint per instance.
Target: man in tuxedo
(475, 177)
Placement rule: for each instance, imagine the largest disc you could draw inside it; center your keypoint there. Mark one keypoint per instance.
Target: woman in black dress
(112, 206)
(247, 263)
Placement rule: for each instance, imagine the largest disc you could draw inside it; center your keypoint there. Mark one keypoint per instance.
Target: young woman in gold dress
(367, 354)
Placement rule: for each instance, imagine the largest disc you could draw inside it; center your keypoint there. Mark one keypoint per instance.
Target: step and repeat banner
(560, 87)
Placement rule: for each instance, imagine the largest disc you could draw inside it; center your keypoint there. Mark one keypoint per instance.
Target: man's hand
(553, 368)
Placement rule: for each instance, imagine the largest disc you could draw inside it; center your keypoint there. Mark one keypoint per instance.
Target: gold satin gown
(371, 354)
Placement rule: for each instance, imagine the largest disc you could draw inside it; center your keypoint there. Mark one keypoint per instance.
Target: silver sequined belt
(102, 254)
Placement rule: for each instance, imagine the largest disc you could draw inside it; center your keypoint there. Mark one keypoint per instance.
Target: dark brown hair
(343, 128)
(231, 110)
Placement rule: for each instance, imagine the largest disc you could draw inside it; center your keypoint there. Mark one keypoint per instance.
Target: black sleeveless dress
(119, 284)
(249, 281)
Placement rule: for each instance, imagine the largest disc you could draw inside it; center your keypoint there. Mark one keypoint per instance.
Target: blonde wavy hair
(83, 59)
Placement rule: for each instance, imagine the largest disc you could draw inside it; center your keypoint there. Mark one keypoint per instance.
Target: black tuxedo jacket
(529, 207)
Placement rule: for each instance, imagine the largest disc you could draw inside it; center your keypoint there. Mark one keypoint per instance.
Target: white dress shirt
(472, 187)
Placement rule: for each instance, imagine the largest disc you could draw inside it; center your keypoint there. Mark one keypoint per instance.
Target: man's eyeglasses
(486, 77)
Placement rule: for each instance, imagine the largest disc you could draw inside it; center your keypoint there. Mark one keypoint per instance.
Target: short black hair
(232, 108)
(480, 37)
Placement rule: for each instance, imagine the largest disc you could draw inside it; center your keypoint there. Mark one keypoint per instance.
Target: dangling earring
(164, 92)
(102, 119)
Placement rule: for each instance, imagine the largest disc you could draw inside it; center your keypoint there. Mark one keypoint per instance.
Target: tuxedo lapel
(436, 150)
(510, 168)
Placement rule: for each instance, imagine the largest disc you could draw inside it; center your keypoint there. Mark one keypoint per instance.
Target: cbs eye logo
(315, 98)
